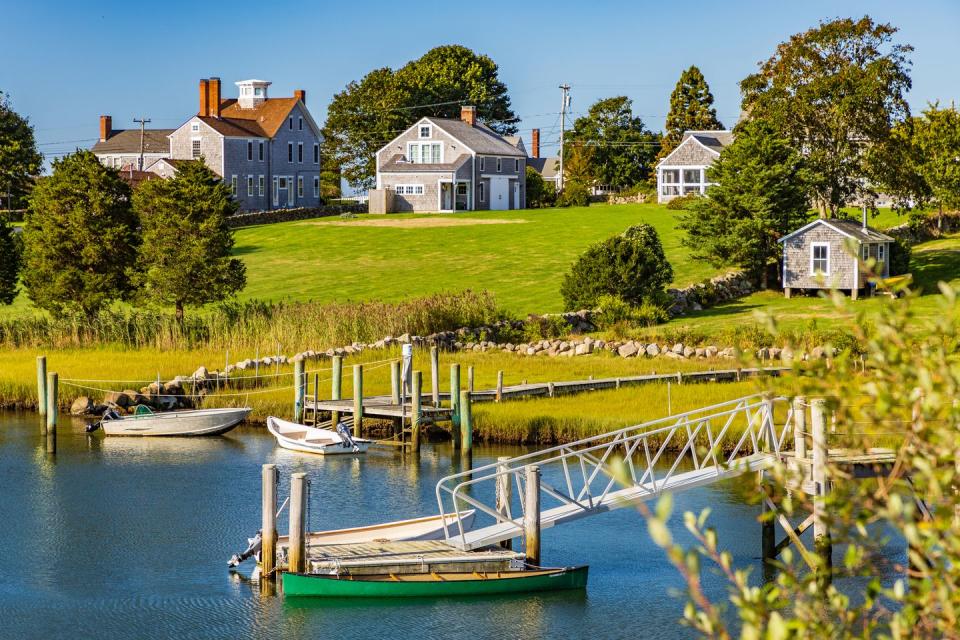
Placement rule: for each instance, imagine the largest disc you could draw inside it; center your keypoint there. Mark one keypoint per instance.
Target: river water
(128, 538)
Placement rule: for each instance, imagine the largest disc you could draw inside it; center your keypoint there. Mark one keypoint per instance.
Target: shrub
(631, 265)
(611, 310)
(649, 314)
(574, 194)
(900, 252)
(682, 202)
(545, 328)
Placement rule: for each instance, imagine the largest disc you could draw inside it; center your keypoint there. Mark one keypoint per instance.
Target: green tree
(937, 144)
(186, 254)
(10, 261)
(79, 237)
(330, 175)
(631, 265)
(536, 189)
(691, 109)
(368, 114)
(759, 195)
(622, 148)
(19, 158)
(834, 91)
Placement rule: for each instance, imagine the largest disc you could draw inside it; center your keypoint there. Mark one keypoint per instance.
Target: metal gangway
(619, 469)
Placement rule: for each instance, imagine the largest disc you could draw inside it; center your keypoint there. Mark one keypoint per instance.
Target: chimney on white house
(469, 115)
(106, 127)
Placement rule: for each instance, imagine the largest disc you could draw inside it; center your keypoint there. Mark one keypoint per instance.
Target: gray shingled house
(684, 170)
(816, 256)
(121, 148)
(446, 165)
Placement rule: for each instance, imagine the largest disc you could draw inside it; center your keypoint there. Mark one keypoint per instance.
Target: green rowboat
(432, 585)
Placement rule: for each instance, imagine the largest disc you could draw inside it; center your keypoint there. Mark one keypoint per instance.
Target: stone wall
(286, 215)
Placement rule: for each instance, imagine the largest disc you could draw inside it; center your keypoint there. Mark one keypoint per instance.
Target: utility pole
(142, 122)
(564, 103)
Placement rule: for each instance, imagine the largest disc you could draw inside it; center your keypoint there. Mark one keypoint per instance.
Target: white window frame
(289, 152)
(299, 153)
(300, 187)
(420, 129)
(813, 252)
(261, 151)
(196, 148)
(233, 185)
(249, 186)
(866, 252)
(316, 186)
(419, 157)
(276, 191)
(195, 127)
(261, 185)
(881, 254)
(300, 124)
(249, 150)
(482, 196)
(290, 123)
(409, 189)
(316, 153)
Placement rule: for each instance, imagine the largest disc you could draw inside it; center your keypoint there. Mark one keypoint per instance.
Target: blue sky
(64, 63)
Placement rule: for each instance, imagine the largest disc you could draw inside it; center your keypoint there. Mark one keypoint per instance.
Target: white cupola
(252, 93)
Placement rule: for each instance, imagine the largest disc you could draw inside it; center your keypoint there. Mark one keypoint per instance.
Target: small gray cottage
(816, 256)
(684, 170)
(445, 165)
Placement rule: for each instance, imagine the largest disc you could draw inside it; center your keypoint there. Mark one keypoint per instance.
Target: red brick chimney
(215, 97)
(300, 95)
(204, 99)
(106, 127)
(469, 115)
(535, 143)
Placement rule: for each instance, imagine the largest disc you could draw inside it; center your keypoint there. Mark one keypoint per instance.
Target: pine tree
(691, 109)
(761, 194)
(19, 158)
(10, 260)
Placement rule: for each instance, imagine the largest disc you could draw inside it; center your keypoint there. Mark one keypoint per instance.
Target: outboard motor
(109, 414)
(253, 548)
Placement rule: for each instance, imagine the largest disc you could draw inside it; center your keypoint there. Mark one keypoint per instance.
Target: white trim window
(425, 132)
(820, 258)
(250, 150)
(425, 153)
(195, 127)
(290, 123)
(249, 186)
(300, 186)
(261, 183)
(276, 191)
(316, 153)
(290, 149)
(482, 192)
(693, 181)
(881, 252)
(316, 186)
(482, 163)
(261, 151)
(409, 189)
(866, 252)
(233, 185)
(300, 125)
(300, 152)
(195, 151)
(669, 182)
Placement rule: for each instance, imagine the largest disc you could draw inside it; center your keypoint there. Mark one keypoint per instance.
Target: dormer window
(195, 127)
(425, 131)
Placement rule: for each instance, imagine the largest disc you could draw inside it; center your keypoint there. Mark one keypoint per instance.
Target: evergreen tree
(759, 196)
(691, 109)
(10, 260)
(186, 254)
(79, 237)
(19, 158)
(937, 141)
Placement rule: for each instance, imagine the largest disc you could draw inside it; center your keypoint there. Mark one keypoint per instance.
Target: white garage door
(499, 194)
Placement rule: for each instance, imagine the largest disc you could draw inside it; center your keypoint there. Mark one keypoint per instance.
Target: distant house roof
(546, 167)
(715, 140)
(396, 164)
(128, 141)
(481, 138)
(850, 228)
(134, 177)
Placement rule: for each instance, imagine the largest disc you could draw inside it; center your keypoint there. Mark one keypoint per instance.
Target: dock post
(336, 386)
(52, 410)
(358, 400)
(768, 532)
(504, 490)
(298, 394)
(297, 551)
(499, 386)
(466, 423)
(42, 385)
(531, 516)
(415, 415)
(821, 530)
(268, 521)
(455, 405)
(799, 427)
(435, 375)
(395, 385)
(470, 379)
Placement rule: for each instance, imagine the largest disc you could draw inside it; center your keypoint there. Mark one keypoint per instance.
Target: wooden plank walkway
(415, 556)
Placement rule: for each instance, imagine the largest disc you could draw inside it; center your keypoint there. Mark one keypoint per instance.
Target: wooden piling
(336, 387)
(395, 382)
(466, 423)
(800, 427)
(531, 516)
(358, 400)
(435, 375)
(42, 385)
(455, 404)
(416, 414)
(499, 386)
(298, 391)
(53, 384)
(297, 551)
(821, 529)
(268, 520)
(470, 379)
(504, 491)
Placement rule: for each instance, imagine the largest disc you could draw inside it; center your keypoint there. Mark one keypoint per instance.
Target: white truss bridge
(621, 468)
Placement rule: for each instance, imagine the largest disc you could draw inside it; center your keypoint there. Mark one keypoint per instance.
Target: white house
(684, 170)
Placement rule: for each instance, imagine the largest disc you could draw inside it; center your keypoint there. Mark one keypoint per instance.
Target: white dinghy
(300, 437)
(197, 422)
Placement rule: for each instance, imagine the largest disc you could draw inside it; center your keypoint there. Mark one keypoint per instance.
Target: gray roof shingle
(546, 167)
(128, 141)
(480, 137)
(397, 164)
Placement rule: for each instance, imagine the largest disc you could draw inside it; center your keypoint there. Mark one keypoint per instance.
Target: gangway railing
(619, 468)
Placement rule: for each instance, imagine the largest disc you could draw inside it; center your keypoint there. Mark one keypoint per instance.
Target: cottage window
(299, 186)
(426, 131)
(499, 164)
(233, 185)
(692, 176)
(276, 191)
(261, 151)
(425, 153)
(249, 185)
(820, 258)
(300, 152)
(481, 163)
(516, 165)
(880, 252)
(461, 188)
(866, 252)
(289, 152)
(195, 149)
(290, 123)
(482, 192)
(316, 153)
(300, 124)
(316, 186)
(195, 127)
(260, 186)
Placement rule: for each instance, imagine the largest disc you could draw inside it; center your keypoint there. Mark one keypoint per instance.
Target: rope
(217, 394)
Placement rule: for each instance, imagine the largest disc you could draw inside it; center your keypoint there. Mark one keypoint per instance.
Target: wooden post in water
(470, 379)
(298, 391)
(297, 551)
(466, 423)
(268, 520)
(395, 389)
(52, 410)
(531, 516)
(800, 427)
(42, 385)
(316, 399)
(499, 386)
(416, 414)
(455, 405)
(358, 400)
(336, 386)
(435, 375)
(504, 490)
(821, 530)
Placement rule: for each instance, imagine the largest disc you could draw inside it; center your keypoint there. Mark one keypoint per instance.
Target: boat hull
(464, 584)
(202, 422)
(304, 439)
(428, 528)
